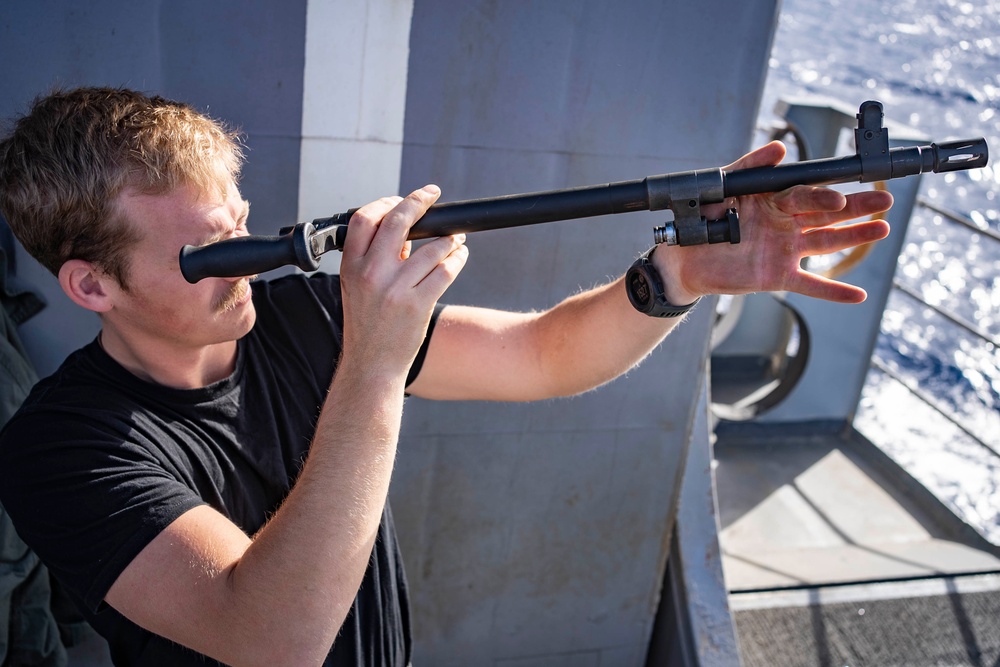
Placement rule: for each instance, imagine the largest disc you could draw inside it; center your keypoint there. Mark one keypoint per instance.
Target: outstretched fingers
(823, 240)
(816, 206)
(817, 214)
(813, 285)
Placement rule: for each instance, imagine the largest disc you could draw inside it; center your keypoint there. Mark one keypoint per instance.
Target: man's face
(160, 306)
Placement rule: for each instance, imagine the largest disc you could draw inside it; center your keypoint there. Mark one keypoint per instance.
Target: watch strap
(645, 289)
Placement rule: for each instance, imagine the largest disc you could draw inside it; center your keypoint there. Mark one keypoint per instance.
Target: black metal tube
(240, 257)
(477, 215)
(827, 171)
(903, 161)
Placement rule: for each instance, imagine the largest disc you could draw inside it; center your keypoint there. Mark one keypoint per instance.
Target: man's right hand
(389, 289)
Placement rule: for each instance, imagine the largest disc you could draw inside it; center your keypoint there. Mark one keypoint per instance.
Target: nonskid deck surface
(945, 621)
(834, 556)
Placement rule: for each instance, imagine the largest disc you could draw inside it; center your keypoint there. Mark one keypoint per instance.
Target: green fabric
(29, 634)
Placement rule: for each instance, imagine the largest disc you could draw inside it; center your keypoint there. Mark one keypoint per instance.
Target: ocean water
(935, 66)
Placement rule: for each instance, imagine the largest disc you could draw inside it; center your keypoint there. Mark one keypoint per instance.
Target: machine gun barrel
(902, 161)
(683, 192)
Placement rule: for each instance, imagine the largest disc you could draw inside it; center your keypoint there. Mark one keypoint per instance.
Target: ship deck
(833, 555)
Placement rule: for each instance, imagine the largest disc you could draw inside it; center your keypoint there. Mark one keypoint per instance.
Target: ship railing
(977, 332)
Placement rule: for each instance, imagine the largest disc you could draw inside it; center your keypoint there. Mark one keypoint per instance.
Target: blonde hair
(66, 163)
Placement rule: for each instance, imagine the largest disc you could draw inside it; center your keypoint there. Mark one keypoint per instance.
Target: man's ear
(86, 285)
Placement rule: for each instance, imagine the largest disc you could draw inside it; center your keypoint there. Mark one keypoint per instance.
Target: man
(209, 476)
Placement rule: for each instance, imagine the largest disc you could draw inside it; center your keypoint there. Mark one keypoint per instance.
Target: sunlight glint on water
(935, 64)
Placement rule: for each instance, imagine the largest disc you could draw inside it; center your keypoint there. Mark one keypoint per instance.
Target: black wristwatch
(645, 289)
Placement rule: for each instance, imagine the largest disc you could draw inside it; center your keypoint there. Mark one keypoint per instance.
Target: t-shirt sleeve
(418, 361)
(87, 506)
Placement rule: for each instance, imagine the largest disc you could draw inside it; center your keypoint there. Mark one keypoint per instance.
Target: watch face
(645, 291)
(639, 289)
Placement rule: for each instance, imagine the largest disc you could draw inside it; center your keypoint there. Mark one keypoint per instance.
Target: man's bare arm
(595, 336)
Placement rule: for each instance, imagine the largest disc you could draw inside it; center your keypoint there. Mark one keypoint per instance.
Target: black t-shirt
(97, 462)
